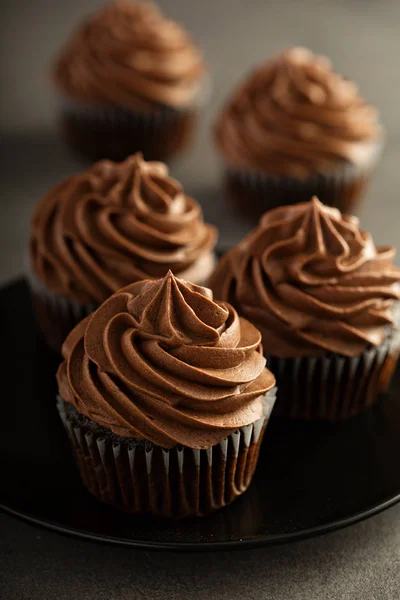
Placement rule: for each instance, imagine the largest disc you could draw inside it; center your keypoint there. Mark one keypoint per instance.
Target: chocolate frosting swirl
(130, 55)
(161, 361)
(114, 224)
(294, 116)
(312, 281)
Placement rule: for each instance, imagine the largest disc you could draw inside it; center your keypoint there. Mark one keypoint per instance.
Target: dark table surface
(359, 563)
(362, 562)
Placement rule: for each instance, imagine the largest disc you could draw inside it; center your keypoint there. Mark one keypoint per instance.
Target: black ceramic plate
(310, 479)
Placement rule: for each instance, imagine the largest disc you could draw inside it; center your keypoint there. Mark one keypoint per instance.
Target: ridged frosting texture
(114, 224)
(128, 54)
(295, 116)
(312, 281)
(162, 361)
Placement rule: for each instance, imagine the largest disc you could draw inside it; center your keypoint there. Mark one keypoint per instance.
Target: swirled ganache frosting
(130, 55)
(160, 360)
(114, 224)
(295, 116)
(312, 281)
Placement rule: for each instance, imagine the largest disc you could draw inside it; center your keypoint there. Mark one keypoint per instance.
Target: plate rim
(261, 541)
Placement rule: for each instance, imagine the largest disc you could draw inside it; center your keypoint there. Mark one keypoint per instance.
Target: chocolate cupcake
(326, 301)
(129, 80)
(165, 397)
(112, 225)
(294, 129)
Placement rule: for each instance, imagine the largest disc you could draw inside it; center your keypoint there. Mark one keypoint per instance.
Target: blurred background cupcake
(295, 128)
(111, 225)
(129, 80)
(326, 301)
(155, 426)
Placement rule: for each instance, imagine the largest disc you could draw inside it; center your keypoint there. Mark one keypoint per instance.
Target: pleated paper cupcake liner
(115, 132)
(56, 315)
(139, 477)
(333, 387)
(253, 193)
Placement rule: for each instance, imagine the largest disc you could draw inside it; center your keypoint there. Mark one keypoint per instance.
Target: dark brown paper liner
(56, 315)
(181, 482)
(115, 133)
(332, 387)
(252, 194)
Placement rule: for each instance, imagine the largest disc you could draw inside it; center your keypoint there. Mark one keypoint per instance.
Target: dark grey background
(362, 38)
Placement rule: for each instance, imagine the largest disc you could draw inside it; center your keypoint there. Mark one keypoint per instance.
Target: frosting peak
(116, 223)
(312, 281)
(162, 361)
(177, 313)
(332, 245)
(296, 116)
(128, 54)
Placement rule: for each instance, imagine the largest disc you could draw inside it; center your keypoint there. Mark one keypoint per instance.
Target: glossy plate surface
(310, 478)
